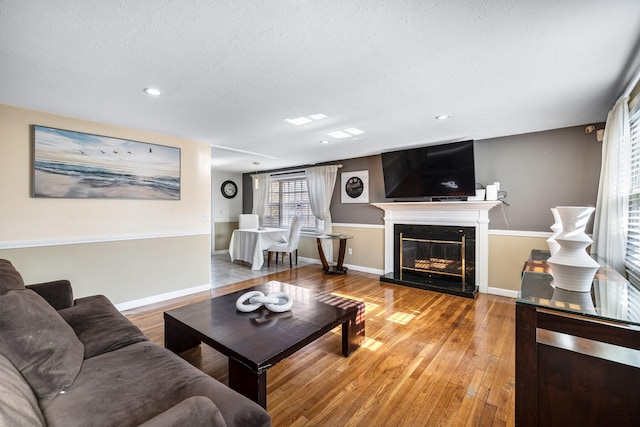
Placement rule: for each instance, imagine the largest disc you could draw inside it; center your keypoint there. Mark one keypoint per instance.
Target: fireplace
(435, 256)
(439, 246)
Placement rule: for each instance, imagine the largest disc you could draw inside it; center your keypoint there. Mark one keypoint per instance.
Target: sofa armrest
(195, 411)
(58, 293)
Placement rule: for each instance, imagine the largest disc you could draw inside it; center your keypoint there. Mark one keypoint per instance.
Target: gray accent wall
(538, 171)
(247, 193)
(359, 213)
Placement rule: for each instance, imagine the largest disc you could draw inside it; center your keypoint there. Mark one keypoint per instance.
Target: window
(289, 197)
(632, 260)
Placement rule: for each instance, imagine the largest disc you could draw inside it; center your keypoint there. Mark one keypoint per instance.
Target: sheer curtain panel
(320, 181)
(610, 226)
(260, 184)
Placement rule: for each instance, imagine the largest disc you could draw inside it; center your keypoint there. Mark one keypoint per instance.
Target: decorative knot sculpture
(277, 302)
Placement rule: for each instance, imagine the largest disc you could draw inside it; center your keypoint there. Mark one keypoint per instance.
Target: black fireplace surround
(434, 257)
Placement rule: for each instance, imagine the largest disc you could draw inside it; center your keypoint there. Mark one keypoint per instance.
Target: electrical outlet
(350, 251)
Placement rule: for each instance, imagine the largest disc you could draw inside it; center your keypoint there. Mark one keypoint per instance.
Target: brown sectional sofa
(82, 363)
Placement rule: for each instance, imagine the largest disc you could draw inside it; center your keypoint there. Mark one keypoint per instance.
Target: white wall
(224, 210)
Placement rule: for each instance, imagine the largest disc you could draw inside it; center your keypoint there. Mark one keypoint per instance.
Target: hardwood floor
(429, 359)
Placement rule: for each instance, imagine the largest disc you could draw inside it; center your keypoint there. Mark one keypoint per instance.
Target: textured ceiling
(232, 71)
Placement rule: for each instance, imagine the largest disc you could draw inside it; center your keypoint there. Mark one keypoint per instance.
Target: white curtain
(260, 184)
(607, 299)
(320, 182)
(610, 225)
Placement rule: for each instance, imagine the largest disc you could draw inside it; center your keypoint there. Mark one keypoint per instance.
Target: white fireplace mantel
(467, 214)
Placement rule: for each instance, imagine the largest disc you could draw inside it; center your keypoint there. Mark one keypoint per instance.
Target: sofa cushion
(197, 411)
(19, 405)
(100, 326)
(9, 277)
(129, 386)
(39, 342)
(58, 293)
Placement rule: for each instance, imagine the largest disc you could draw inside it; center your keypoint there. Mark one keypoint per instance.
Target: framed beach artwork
(77, 165)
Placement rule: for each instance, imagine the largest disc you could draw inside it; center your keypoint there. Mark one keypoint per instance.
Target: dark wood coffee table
(256, 341)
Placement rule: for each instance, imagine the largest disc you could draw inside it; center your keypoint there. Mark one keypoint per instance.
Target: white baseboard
(494, 291)
(365, 269)
(349, 266)
(202, 288)
(503, 292)
(310, 260)
(162, 297)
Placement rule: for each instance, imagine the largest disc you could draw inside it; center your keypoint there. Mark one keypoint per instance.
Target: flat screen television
(435, 171)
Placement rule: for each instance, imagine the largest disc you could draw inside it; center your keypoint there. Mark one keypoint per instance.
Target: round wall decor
(229, 189)
(354, 187)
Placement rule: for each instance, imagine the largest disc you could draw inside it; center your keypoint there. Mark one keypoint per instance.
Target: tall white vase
(572, 268)
(554, 246)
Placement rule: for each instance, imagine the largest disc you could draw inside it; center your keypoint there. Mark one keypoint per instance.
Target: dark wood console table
(577, 353)
(338, 268)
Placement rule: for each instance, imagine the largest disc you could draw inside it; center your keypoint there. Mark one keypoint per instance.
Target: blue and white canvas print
(69, 164)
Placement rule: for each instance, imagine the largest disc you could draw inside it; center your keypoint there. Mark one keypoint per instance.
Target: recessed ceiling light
(152, 91)
(442, 117)
(354, 131)
(299, 121)
(302, 120)
(339, 134)
(317, 116)
(324, 141)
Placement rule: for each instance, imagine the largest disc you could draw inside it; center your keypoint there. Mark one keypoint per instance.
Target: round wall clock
(229, 189)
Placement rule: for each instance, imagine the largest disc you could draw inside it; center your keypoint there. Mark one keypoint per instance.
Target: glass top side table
(339, 268)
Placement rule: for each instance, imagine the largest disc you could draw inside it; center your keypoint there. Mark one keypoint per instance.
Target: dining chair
(290, 246)
(248, 221)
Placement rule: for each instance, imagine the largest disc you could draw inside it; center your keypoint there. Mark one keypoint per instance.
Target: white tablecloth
(247, 245)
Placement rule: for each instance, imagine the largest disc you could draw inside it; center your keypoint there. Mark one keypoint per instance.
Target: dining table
(248, 244)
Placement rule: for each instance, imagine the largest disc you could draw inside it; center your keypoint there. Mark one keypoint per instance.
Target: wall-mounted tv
(436, 171)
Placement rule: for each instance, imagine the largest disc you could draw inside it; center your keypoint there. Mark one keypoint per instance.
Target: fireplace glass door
(433, 257)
